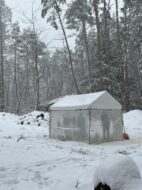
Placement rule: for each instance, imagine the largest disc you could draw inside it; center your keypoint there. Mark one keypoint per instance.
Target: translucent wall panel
(70, 125)
(105, 125)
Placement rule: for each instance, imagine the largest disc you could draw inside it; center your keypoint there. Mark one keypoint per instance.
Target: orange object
(126, 136)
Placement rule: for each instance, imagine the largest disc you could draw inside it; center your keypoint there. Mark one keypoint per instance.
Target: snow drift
(117, 172)
(39, 163)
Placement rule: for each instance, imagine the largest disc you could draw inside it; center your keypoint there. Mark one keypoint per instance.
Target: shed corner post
(123, 126)
(89, 125)
(49, 123)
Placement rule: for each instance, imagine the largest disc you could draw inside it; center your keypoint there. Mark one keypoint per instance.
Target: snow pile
(8, 117)
(22, 127)
(133, 123)
(7, 125)
(117, 172)
(134, 185)
(35, 118)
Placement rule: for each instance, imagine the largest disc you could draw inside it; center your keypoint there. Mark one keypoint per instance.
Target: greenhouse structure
(92, 118)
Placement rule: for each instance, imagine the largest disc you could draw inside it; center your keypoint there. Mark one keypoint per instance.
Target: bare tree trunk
(120, 60)
(7, 93)
(15, 73)
(126, 96)
(68, 48)
(36, 74)
(106, 47)
(99, 64)
(87, 54)
(119, 50)
(1, 62)
(27, 74)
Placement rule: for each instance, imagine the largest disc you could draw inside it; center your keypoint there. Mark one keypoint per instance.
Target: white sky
(24, 7)
(48, 34)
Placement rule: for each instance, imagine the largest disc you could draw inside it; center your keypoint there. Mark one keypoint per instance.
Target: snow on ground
(117, 172)
(30, 160)
(133, 123)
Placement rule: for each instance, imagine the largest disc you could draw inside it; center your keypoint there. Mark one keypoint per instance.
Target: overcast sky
(48, 35)
(24, 7)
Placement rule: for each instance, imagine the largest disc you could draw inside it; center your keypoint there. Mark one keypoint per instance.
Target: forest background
(99, 48)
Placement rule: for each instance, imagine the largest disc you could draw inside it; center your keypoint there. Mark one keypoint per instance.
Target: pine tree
(78, 15)
(5, 15)
(54, 10)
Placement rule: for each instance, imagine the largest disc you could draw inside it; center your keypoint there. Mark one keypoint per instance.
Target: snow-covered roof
(53, 101)
(97, 100)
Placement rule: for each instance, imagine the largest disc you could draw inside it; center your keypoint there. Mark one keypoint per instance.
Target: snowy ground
(30, 160)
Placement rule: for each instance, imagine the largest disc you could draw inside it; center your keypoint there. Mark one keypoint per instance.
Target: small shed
(91, 118)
